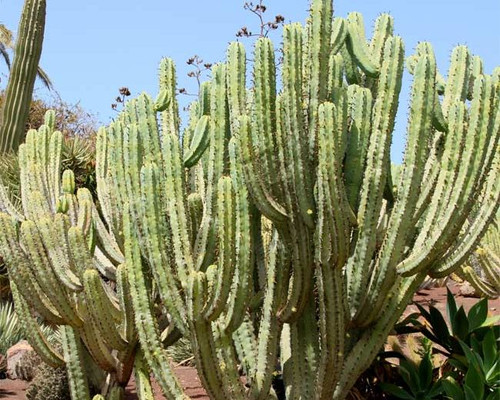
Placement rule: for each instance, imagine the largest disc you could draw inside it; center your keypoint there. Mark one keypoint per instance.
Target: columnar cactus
(65, 267)
(22, 75)
(272, 226)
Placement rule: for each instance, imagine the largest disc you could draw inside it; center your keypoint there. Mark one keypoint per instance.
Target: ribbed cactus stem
(22, 75)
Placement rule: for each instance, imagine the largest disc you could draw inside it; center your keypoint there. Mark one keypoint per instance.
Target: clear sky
(93, 47)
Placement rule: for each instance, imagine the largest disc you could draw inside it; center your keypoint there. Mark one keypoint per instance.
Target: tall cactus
(22, 75)
(271, 226)
(65, 266)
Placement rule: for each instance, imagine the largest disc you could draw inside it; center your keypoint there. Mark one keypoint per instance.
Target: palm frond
(10, 329)
(42, 75)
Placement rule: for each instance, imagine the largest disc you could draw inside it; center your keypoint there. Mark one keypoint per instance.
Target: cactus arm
(357, 142)
(73, 355)
(334, 199)
(102, 310)
(253, 177)
(468, 176)
(22, 75)
(331, 329)
(203, 341)
(21, 273)
(32, 329)
(170, 117)
(336, 77)
(304, 354)
(141, 373)
(419, 128)
(45, 276)
(53, 233)
(54, 167)
(270, 328)
(296, 145)
(384, 111)
(155, 229)
(236, 82)
(457, 85)
(199, 142)
(490, 200)
(242, 281)
(357, 46)
(339, 33)
(226, 232)
(175, 197)
(263, 116)
(149, 335)
(124, 296)
(480, 285)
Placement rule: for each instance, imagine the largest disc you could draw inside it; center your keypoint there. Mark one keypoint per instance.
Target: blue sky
(93, 47)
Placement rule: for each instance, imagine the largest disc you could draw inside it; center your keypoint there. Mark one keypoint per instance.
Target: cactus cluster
(271, 227)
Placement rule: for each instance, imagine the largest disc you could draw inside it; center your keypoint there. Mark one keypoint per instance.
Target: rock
(467, 290)
(14, 356)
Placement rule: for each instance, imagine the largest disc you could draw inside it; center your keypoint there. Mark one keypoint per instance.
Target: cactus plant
(59, 269)
(270, 226)
(24, 69)
(482, 267)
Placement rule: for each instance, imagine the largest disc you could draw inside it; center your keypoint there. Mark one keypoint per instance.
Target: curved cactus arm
(22, 75)
(333, 217)
(216, 165)
(54, 239)
(383, 115)
(218, 297)
(270, 328)
(21, 272)
(339, 33)
(103, 311)
(155, 229)
(357, 46)
(416, 153)
(124, 295)
(32, 329)
(383, 30)
(202, 339)
(242, 281)
(469, 178)
(253, 177)
(45, 276)
(316, 61)
(483, 287)
(73, 356)
(490, 200)
(149, 335)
